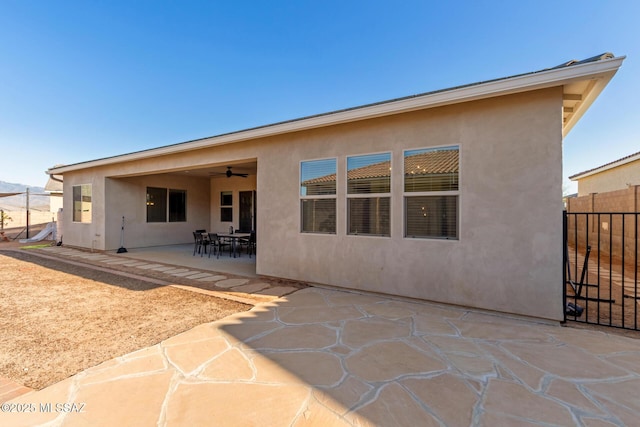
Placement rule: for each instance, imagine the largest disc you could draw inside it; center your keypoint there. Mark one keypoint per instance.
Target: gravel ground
(58, 319)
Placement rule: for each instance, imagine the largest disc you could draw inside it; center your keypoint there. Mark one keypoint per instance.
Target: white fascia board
(611, 165)
(600, 83)
(603, 69)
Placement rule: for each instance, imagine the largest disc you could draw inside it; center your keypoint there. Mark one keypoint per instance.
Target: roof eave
(602, 71)
(601, 81)
(606, 167)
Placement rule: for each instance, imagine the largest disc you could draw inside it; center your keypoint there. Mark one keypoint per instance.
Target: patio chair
(200, 242)
(217, 244)
(249, 243)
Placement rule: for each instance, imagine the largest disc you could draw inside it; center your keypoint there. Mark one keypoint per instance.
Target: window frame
(315, 197)
(167, 199)
(356, 195)
(435, 193)
(78, 216)
(227, 208)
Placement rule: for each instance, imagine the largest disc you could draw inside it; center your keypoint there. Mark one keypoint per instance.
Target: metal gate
(601, 268)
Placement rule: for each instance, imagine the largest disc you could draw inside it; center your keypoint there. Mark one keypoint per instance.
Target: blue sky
(81, 80)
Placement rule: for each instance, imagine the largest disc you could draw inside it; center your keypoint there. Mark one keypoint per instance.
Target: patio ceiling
(219, 170)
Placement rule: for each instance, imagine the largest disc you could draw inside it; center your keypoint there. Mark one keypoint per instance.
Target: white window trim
(316, 197)
(368, 195)
(457, 192)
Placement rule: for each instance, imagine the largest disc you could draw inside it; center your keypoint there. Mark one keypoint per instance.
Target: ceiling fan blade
(230, 174)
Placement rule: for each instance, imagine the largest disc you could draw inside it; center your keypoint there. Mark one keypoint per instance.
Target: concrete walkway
(322, 357)
(175, 266)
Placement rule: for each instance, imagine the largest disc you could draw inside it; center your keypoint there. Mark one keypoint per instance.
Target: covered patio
(182, 255)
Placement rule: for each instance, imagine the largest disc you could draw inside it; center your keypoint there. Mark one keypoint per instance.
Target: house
(411, 197)
(617, 175)
(54, 188)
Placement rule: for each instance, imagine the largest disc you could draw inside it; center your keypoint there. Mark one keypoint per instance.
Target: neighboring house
(340, 198)
(617, 175)
(54, 188)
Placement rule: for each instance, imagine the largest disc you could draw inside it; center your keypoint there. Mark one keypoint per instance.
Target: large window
(82, 203)
(318, 196)
(369, 194)
(431, 192)
(163, 203)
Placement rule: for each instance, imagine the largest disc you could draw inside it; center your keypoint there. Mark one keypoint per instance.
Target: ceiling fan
(229, 173)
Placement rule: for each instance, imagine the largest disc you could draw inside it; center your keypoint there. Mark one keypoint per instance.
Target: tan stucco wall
(508, 257)
(127, 197)
(86, 235)
(509, 254)
(618, 178)
(55, 203)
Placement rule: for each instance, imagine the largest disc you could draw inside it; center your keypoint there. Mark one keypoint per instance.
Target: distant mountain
(18, 202)
(9, 187)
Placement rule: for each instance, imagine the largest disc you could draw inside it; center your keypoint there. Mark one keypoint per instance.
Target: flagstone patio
(325, 357)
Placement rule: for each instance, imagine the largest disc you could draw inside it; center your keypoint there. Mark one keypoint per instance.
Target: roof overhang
(581, 82)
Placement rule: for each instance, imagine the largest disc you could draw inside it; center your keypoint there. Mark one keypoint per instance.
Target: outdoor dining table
(233, 238)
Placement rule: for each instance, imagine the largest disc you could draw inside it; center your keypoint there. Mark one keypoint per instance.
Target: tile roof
(376, 170)
(433, 162)
(320, 179)
(427, 163)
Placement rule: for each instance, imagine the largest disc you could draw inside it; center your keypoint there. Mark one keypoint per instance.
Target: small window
(82, 203)
(431, 192)
(318, 196)
(369, 195)
(226, 206)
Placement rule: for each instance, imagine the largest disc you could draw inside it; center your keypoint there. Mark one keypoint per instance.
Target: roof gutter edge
(510, 85)
(604, 168)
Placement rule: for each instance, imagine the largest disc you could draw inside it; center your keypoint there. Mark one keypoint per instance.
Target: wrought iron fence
(601, 268)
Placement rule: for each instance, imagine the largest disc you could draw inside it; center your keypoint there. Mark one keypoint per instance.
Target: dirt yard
(58, 319)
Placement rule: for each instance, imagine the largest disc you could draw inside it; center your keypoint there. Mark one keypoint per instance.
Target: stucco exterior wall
(114, 198)
(509, 253)
(85, 235)
(617, 178)
(508, 257)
